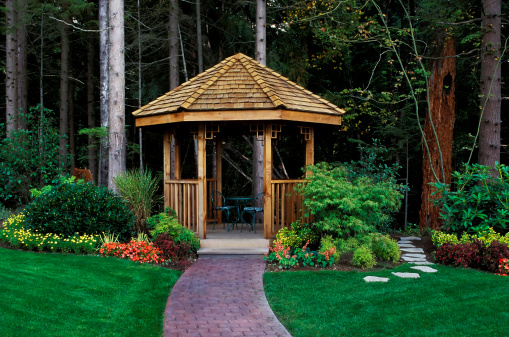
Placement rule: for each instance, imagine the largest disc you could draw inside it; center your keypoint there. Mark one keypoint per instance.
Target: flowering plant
(281, 254)
(139, 251)
(504, 267)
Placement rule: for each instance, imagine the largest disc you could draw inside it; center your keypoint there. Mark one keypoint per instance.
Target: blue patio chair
(219, 204)
(252, 209)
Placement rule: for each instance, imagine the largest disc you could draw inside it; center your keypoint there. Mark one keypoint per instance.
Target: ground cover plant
(71, 295)
(451, 302)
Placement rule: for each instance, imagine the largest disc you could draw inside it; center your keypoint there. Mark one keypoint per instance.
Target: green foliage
(79, 208)
(346, 245)
(15, 233)
(486, 236)
(298, 236)
(27, 160)
(476, 200)
(288, 258)
(35, 192)
(363, 257)
(327, 243)
(139, 190)
(384, 247)
(4, 213)
(167, 223)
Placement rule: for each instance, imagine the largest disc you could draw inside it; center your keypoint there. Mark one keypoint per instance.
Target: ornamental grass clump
(79, 208)
(139, 190)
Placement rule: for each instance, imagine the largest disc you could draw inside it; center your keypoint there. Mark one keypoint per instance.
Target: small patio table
(238, 202)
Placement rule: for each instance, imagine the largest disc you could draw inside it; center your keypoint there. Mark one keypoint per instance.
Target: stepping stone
(425, 269)
(410, 238)
(376, 279)
(412, 250)
(406, 245)
(407, 275)
(422, 263)
(415, 255)
(414, 259)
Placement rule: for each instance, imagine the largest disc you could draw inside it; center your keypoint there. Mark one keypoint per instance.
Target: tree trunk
(11, 91)
(64, 91)
(261, 36)
(102, 178)
(199, 36)
(442, 107)
(258, 150)
(174, 44)
(22, 64)
(489, 131)
(92, 149)
(117, 138)
(72, 130)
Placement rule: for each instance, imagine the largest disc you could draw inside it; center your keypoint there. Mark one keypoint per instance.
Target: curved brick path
(221, 296)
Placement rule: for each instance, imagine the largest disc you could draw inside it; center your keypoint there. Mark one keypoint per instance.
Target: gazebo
(242, 92)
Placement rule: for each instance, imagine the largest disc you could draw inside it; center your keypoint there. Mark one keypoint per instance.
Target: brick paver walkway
(221, 296)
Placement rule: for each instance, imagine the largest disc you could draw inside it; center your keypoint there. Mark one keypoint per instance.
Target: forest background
(382, 61)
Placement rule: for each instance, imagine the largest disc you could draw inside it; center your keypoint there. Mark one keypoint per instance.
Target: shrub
(485, 236)
(363, 257)
(170, 250)
(346, 245)
(326, 244)
(298, 235)
(28, 161)
(474, 255)
(4, 213)
(14, 233)
(167, 223)
(305, 256)
(79, 208)
(139, 189)
(143, 252)
(476, 200)
(385, 248)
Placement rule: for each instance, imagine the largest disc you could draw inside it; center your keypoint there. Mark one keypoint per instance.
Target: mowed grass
(451, 302)
(69, 295)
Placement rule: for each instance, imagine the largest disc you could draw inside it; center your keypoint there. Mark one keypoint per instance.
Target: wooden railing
(287, 204)
(182, 196)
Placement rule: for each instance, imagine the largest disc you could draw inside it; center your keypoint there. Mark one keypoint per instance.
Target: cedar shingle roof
(238, 83)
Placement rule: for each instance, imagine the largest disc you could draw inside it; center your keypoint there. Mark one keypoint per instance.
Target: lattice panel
(306, 132)
(210, 129)
(258, 129)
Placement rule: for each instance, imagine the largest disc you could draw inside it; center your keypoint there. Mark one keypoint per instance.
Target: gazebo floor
(221, 242)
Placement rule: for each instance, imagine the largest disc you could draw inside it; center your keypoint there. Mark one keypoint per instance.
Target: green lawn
(69, 295)
(452, 302)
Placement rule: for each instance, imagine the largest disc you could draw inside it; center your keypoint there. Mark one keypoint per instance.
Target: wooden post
(202, 183)
(310, 150)
(268, 219)
(176, 152)
(219, 173)
(166, 164)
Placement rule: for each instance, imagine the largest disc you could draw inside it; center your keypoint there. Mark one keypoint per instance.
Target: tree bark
(442, 107)
(64, 91)
(489, 131)
(102, 178)
(174, 44)
(22, 64)
(261, 36)
(117, 138)
(92, 149)
(199, 36)
(11, 91)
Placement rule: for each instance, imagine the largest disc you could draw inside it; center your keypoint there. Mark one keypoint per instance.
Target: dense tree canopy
(373, 58)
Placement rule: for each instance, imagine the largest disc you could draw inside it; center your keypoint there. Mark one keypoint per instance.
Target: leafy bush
(143, 252)
(27, 160)
(4, 213)
(167, 223)
(79, 208)
(170, 250)
(485, 236)
(474, 255)
(14, 233)
(475, 201)
(346, 245)
(298, 235)
(363, 257)
(305, 256)
(68, 179)
(139, 189)
(346, 204)
(326, 244)
(385, 248)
